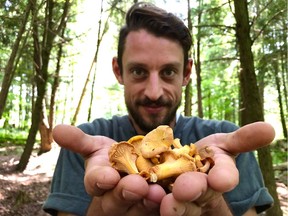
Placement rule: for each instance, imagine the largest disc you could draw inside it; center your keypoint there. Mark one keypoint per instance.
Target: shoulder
(193, 128)
(117, 127)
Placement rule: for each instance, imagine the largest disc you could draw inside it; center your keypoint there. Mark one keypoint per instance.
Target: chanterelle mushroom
(158, 157)
(136, 141)
(171, 167)
(157, 141)
(123, 157)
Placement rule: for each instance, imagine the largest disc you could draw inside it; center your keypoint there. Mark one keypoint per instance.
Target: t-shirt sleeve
(67, 192)
(250, 192)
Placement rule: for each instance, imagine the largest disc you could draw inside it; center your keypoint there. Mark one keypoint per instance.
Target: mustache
(147, 102)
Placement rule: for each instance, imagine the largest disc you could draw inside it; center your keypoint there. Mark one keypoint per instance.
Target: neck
(140, 131)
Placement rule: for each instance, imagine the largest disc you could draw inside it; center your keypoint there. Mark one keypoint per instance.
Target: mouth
(153, 109)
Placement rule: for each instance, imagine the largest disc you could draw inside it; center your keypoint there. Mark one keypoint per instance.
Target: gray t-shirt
(68, 192)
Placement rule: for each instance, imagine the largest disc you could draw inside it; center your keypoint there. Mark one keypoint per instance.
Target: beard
(154, 120)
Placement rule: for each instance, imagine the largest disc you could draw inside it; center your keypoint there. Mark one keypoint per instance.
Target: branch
(264, 26)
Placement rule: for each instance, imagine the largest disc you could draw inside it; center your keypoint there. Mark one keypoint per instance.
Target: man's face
(153, 76)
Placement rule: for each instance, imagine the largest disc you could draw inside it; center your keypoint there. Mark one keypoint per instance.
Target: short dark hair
(157, 22)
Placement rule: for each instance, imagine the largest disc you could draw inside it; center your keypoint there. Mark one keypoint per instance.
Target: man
(153, 65)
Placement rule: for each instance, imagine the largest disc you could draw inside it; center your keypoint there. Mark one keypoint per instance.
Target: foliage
(13, 136)
(279, 151)
(219, 59)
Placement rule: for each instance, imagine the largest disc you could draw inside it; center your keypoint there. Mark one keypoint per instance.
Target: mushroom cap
(177, 143)
(122, 156)
(136, 141)
(157, 141)
(158, 157)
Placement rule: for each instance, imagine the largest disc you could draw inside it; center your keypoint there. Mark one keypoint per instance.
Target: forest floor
(24, 193)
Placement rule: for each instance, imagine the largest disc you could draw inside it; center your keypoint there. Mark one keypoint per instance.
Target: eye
(168, 73)
(138, 73)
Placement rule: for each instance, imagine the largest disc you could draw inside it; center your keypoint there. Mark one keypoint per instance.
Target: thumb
(74, 139)
(247, 138)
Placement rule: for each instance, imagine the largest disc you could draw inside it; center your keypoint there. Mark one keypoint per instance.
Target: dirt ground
(24, 193)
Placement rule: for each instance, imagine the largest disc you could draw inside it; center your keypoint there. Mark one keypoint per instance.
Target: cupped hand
(113, 195)
(193, 193)
(196, 193)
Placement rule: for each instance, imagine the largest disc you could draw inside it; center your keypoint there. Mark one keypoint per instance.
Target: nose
(154, 88)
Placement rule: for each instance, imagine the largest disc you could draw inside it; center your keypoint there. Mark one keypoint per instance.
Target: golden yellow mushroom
(158, 157)
(136, 141)
(172, 167)
(123, 157)
(157, 141)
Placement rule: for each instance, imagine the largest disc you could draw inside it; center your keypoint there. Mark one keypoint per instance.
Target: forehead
(143, 46)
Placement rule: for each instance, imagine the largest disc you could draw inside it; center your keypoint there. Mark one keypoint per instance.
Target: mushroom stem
(171, 169)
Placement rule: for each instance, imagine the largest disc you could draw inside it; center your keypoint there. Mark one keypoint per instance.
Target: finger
(99, 175)
(187, 188)
(74, 139)
(224, 175)
(130, 190)
(171, 207)
(191, 195)
(99, 179)
(247, 138)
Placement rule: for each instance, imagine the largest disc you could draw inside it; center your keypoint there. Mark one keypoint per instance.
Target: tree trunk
(45, 132)
(188, 88)
(278, 86)
(252, 107)
(74, 120)
(198, 64)
(188, 99)
(10, 66)
(40, 79)
(42, 53)
(99, 40)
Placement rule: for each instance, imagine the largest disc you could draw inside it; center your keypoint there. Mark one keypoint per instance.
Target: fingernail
(104, 186)
(150, 204)
(197, 196)
(128, 195)
(179, 209)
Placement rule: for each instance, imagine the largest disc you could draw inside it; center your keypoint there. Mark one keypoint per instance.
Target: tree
(11, 63)
(252, 107)
(42, 51)
(188, 89)
(198, 60)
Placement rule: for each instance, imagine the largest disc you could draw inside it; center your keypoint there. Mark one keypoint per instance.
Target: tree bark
(10, 66)
(198, 64)
(42, 53)
(188, 88)
(278, 87)
(252, 106)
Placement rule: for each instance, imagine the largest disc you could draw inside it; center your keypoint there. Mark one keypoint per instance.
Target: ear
(117, 70)
(187, 72)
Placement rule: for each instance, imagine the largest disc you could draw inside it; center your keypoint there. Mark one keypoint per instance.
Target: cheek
(174, 91)
(131, 93)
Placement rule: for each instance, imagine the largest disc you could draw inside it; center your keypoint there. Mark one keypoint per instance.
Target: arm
(114, 195)
(206, 191)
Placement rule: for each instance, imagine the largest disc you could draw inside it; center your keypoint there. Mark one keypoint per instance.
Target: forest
(55, 62)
